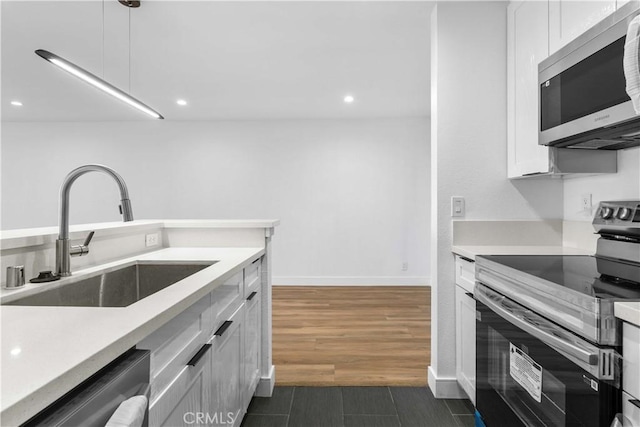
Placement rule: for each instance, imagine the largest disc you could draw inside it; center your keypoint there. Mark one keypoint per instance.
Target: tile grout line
(342, 405)
(293, 394)
(394, 405)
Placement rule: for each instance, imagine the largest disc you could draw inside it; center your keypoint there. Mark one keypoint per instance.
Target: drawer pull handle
(225, 325)
(466, 259)
(250, 297)
(469, 294)
(635, 402)
(255, 261)
(196, 358)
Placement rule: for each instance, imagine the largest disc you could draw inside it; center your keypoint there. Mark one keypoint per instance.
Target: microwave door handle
(555, 340)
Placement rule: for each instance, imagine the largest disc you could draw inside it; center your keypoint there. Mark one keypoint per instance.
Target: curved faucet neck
(127, 212)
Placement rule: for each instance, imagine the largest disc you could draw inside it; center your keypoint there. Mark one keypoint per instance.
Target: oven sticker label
(525, 372)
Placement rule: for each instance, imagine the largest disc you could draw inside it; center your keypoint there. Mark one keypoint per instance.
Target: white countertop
(46, 351)
(472, 251)
(37, 236)
(628, 311)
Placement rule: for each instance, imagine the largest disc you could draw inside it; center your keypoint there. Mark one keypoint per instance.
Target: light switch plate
(457, 207)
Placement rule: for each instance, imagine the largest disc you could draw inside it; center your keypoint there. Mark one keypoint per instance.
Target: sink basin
(117, 288)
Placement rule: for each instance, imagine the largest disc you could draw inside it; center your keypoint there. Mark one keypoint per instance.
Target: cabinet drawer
(227, 368)
(187, 394)
(226, 298)
(173, 345)
(631, 359)
(252, 275)
(630, 411)
(465, 273)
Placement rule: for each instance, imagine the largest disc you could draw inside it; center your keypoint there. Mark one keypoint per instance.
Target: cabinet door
(527, 45)
(568, 19)
(226, 396)
(251, 360)
(175, 343)
(466, 342)
(226, 298)
(186, 400)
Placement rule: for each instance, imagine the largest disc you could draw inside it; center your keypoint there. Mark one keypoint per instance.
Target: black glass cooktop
(598, 277)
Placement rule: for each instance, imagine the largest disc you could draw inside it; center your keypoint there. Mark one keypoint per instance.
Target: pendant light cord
(103, 39)
(129, 50)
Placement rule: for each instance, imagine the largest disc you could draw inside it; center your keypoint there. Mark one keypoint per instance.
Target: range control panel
(624, 212)
(620, 217)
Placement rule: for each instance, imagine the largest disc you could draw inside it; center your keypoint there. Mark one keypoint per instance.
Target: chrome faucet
(64, 251)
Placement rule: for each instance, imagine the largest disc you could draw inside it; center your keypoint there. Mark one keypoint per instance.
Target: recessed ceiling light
(16, 103)
(349, 99)
(16, 351)
(181, 102)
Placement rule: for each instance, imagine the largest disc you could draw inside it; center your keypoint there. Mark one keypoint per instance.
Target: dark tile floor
(357, 407)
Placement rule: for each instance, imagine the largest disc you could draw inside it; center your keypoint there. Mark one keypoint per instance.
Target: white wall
(623, 185)
(469, 157)
(352, 195)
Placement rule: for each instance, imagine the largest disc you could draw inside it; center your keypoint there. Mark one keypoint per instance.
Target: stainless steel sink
(117, 288)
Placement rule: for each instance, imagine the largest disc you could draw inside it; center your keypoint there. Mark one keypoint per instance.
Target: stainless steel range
(548, 343)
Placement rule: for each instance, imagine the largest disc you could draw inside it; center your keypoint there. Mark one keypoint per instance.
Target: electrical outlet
(587, 204)
(151, 239)
(405, 266)
(457, 206)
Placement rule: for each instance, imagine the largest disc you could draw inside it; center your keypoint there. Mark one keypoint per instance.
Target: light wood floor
(351, 336)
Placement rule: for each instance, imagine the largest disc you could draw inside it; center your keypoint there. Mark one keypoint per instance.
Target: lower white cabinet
(465, 327)
(631, 374)
(186, 401)
(466, 342)
(205, 362)
(251, 351)
(227, 369)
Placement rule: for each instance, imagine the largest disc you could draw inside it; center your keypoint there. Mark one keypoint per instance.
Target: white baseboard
(266, 384)
(444, 387)
(350, 281)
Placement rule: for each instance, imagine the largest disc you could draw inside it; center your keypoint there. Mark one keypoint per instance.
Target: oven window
(545, 407)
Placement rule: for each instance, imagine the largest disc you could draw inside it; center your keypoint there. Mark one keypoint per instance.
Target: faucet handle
(83, 249)
(88, 239)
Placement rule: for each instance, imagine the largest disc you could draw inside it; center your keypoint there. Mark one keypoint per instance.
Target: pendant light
(96, 81)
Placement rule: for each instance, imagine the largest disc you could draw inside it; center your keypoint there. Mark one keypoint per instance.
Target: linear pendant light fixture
(97, 82)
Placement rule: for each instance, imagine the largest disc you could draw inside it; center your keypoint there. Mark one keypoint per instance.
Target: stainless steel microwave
(583, 101)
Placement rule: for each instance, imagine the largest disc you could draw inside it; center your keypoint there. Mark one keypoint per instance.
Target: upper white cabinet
(569, 19)
(536, 29)
(527, 44)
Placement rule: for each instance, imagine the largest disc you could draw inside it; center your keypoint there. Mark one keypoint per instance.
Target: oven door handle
(551, 335)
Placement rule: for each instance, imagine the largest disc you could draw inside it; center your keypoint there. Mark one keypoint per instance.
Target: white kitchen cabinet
(569, 19)
(226, 298)
(465, 327)
(175, 343)
(631, 373)
(251, 350)
(228, 369)
(527, 45)
(224, 337)
(187, 397)
(252, 275)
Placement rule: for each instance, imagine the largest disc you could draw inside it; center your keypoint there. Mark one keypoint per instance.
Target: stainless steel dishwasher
(94, 401)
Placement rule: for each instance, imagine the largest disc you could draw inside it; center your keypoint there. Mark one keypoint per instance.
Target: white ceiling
(229, 60)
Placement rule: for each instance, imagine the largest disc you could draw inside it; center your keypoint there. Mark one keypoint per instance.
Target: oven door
(531, 372)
